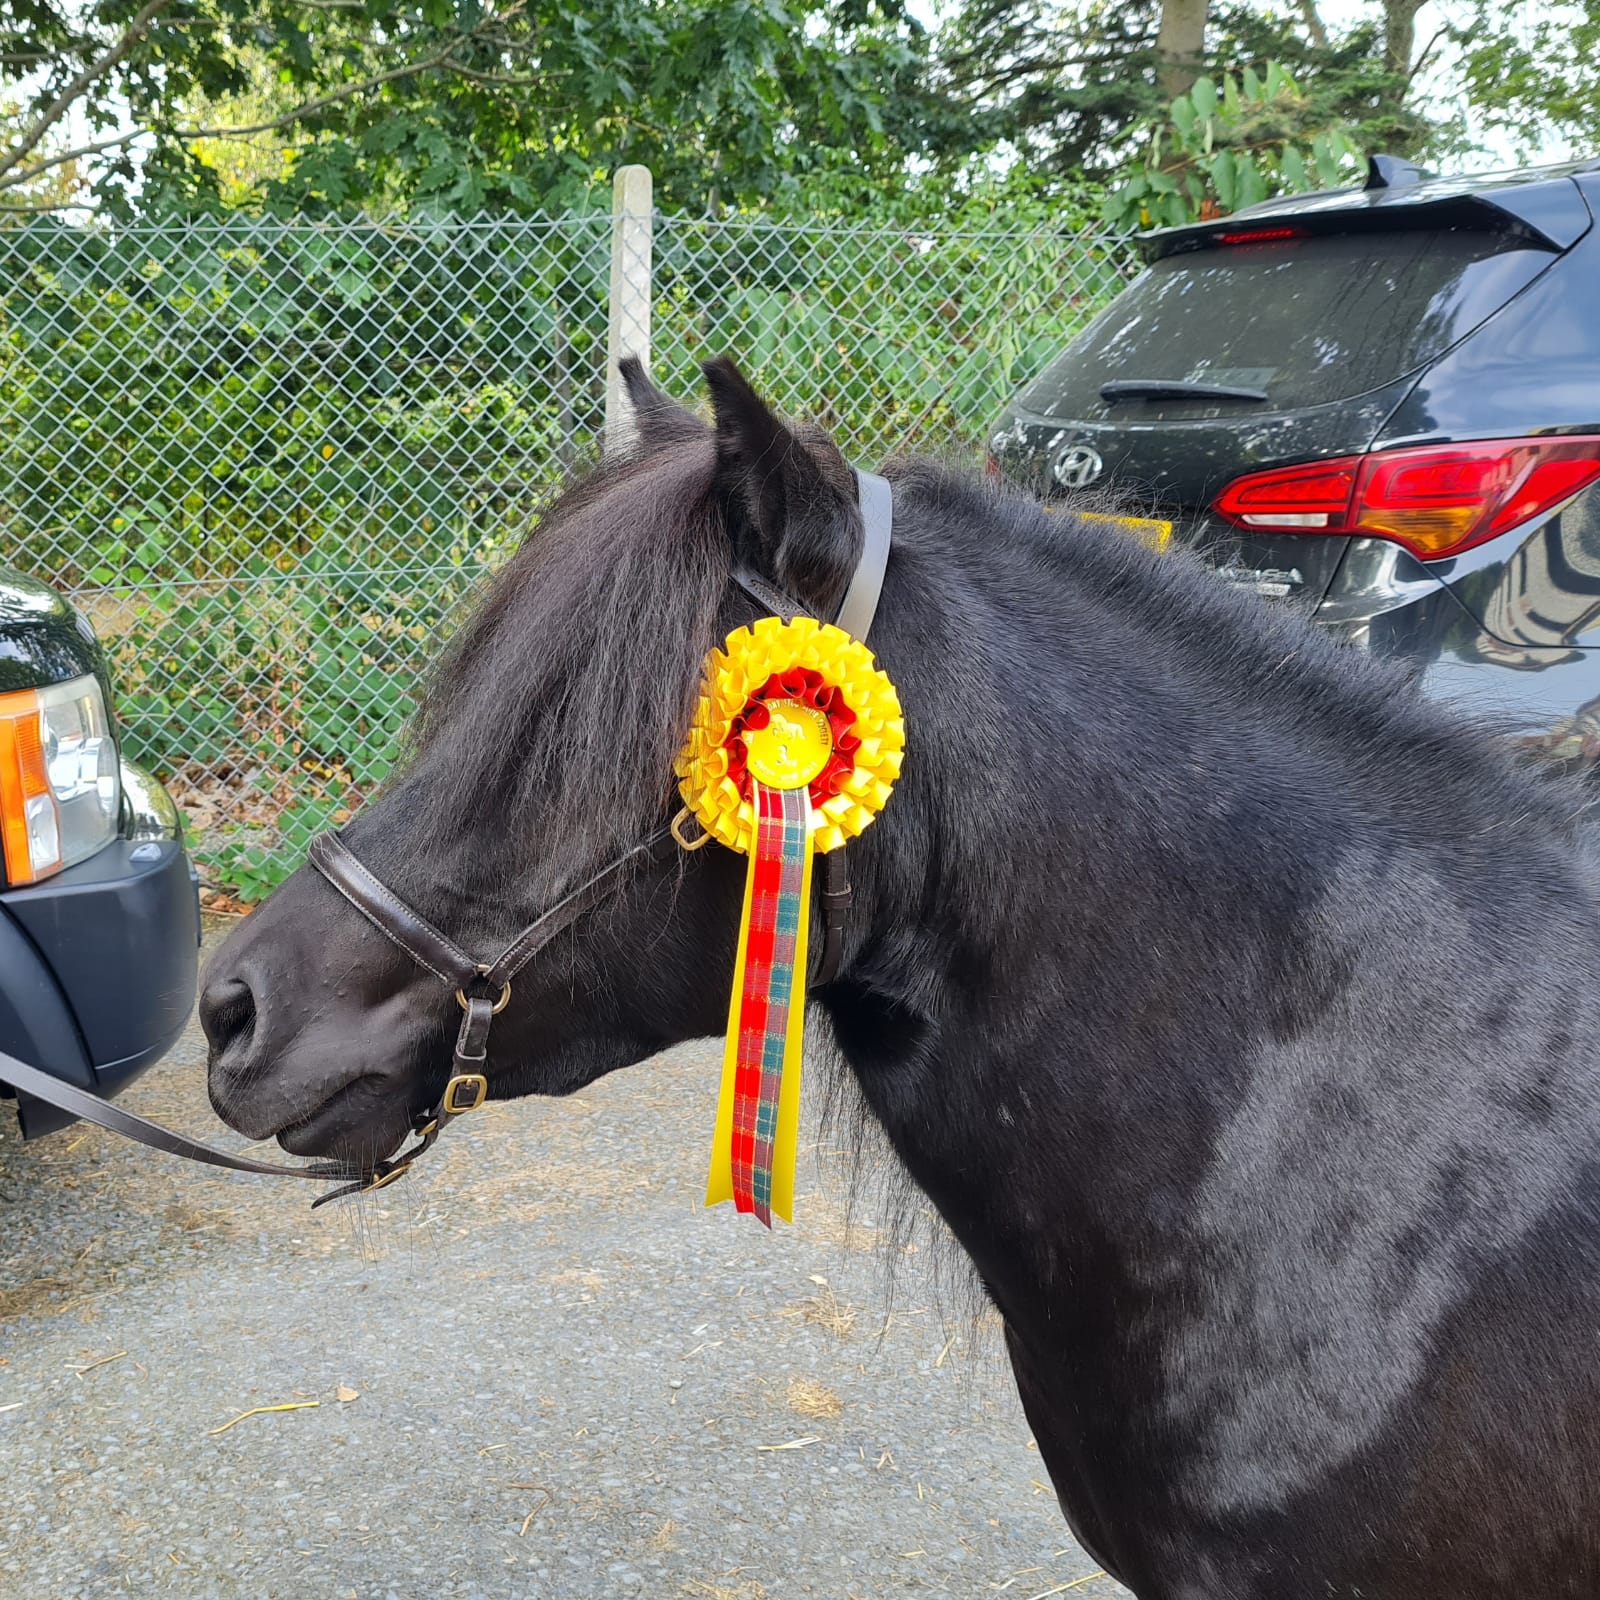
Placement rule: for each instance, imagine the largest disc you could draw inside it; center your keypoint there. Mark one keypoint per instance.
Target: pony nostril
(227, 1013)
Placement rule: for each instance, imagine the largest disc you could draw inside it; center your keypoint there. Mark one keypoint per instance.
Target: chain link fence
(271, 459)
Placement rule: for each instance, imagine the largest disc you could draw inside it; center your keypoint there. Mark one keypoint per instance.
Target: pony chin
(363, 1122)
(314, 1110)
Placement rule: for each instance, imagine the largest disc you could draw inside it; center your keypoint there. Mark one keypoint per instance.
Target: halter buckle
(464, 1083)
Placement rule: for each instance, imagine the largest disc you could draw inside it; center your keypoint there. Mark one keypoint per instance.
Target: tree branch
(519, 80)
(58, 107)
(987, 82)
(1427, 50)
(311, 107)
(12, 179)
(1313, 22)
(15, 180)
(11, 209)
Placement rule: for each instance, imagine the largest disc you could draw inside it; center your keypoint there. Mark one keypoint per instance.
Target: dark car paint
(1532, 367)
(98, 963)
(43, 640)
(1174, 469)
(118, 910)
(36, 1021)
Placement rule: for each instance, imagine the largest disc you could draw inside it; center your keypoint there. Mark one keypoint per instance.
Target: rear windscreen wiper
(1175, 389)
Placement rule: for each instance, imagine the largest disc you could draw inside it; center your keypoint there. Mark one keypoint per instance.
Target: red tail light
(1260, 235)
(1436, 501)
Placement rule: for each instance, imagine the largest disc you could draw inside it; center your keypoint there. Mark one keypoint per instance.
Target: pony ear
(660, 418)
(791, 500)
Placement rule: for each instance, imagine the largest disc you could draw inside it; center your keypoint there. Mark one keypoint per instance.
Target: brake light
(1314, 497)
(1435, 501)
(1260, 235)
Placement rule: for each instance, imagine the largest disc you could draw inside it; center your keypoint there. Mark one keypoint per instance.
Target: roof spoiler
(1398, 194)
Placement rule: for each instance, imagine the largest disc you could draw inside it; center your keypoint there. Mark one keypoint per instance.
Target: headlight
(59, 791)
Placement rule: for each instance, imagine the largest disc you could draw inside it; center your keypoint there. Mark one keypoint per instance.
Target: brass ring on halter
(499, 1005)
(686, 815)
(382, 1180)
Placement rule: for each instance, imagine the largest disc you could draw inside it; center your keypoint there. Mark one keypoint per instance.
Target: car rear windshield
(1307, 320)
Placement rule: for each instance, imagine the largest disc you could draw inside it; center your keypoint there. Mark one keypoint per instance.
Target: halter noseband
(434, 951)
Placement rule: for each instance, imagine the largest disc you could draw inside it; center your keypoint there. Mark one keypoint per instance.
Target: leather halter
(437, 953)
(483, 989)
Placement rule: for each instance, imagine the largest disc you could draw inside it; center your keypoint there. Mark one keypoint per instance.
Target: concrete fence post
(628, 334)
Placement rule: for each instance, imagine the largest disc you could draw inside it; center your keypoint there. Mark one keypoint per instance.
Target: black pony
(1237, 1010)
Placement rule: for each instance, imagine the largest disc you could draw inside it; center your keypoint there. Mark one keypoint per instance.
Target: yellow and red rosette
(795, 745)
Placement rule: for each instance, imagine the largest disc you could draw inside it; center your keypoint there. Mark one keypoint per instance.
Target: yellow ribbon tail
(756, 1140)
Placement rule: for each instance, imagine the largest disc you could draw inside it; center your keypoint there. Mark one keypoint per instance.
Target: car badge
(1077, 466)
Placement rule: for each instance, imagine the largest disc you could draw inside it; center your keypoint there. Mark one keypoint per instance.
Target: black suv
(99, 904)
(1381, 403)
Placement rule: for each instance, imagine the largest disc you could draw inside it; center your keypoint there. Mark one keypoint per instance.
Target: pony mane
(557, 710)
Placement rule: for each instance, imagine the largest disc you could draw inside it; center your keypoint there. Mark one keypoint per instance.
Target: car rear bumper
(100, 966)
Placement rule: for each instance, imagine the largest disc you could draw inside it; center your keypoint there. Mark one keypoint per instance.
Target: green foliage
(236, 388)
(252, 871)
(502, 105)
(272, 458)
(522, 105)
(891, 338)
(1220, 150)
(1071, 86)
(1532, 74)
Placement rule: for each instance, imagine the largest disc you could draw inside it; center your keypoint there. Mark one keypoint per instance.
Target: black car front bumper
(98, 968)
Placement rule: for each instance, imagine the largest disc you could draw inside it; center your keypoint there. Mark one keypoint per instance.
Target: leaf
(1252, 186)
(1326, 161)
(1224, 179)
(345, 1394)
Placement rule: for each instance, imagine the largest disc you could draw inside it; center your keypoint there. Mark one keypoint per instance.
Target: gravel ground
(535, 1368)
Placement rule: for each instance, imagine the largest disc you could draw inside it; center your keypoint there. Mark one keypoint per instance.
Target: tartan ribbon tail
(758, 1111)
